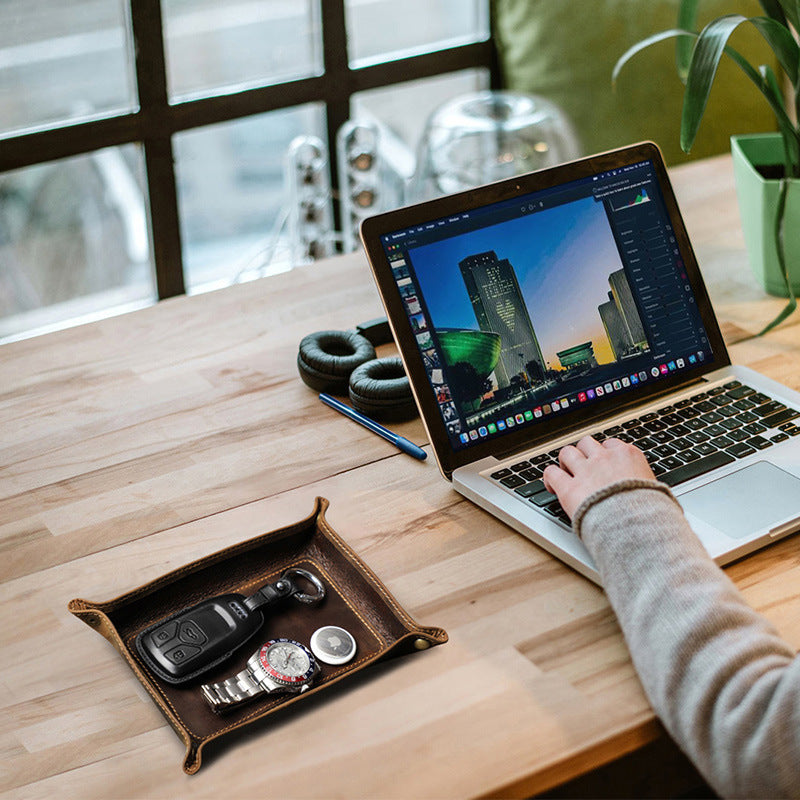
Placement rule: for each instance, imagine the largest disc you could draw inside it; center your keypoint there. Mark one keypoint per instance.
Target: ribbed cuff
(627, 485)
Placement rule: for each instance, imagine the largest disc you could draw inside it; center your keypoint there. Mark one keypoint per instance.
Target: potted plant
(766, 166)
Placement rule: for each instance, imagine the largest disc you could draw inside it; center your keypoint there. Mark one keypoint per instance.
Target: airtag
(333, 645)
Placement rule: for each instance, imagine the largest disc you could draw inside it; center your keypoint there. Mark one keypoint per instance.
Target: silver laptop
(566, 302)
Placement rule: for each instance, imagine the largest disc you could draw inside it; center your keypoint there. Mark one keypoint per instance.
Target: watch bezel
(279, 677)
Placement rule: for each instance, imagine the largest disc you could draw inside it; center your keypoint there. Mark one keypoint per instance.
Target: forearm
(724, 683)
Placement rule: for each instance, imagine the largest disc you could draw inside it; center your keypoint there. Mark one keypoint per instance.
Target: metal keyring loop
(312, 579)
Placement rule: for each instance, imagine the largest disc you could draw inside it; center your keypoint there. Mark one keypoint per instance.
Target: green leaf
(791, 8)
(643, 45)
(779, 246)
(773, 97)
(783, 44)
(708, 50)
(775, 101)
(687, 21)
(702, 70)
(772, 84)
(787, 310)
(791, 144)
(711, 43)
(772, 8)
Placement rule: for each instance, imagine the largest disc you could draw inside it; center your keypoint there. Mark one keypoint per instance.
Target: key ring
(309, 577)
(287, 586)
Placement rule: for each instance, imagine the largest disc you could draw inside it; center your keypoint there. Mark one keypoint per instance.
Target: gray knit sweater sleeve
(723, 682)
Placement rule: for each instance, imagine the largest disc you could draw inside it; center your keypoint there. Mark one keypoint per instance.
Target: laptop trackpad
(743, 502)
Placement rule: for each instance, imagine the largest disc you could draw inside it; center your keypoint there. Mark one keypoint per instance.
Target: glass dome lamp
(486, 136)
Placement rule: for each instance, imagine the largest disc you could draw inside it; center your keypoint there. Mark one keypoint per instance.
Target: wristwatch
(279, 665)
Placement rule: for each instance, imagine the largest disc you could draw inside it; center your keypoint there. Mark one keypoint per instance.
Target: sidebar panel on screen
(655, 268)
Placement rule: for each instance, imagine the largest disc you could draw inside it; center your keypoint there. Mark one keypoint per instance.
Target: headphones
(344, 362)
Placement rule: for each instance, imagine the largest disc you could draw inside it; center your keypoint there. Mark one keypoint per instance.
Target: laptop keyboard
(680, 441)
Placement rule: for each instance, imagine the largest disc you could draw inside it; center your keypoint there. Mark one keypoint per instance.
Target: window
(73, 240)
(133, 173)
(231, 193)
(385, 30)
(212, 46)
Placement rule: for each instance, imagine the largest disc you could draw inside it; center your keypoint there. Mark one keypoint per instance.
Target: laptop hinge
(621, 409)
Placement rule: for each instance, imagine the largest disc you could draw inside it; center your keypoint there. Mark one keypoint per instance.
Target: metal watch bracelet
(240, 687)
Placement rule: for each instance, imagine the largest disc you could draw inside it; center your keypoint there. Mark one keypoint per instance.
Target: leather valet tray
(355, 600)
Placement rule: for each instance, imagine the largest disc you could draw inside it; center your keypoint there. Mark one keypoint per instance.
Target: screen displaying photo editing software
(540, 305)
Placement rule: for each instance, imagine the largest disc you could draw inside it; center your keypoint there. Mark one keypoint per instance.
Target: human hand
(590, 465)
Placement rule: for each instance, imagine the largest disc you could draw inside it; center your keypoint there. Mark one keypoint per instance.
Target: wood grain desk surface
(134, 445)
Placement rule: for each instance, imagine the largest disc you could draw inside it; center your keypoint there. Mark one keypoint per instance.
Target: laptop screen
(526, 308)
(549, 302)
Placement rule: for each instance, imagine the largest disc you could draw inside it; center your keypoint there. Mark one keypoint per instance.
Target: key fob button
(191, 633)
(165, 634)
(238, 609)
(182, 653)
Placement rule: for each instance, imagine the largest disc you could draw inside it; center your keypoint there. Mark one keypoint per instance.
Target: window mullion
(338, 82)
(151, 82)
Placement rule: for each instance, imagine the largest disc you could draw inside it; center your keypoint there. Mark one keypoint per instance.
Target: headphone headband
(376, 331)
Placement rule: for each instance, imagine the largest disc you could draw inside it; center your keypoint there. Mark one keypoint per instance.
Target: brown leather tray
(356, 600)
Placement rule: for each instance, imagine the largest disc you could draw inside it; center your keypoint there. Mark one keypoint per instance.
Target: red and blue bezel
(280, 677)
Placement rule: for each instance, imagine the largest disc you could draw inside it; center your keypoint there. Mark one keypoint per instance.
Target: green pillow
(565, 50)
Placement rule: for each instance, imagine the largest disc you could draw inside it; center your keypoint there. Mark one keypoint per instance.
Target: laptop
(533, 311)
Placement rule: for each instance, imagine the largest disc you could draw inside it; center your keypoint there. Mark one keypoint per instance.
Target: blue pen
(397, 441)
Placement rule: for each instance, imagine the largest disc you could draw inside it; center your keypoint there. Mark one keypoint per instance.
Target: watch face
(287, 661)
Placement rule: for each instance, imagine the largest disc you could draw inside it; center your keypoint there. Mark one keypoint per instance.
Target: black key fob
(197, 639)
(193, 641)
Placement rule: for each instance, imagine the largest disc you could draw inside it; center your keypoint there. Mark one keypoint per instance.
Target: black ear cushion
(380, 389)
(326, 359)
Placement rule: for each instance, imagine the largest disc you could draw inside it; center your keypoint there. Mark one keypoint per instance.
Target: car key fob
(198, 638)
(193, 641)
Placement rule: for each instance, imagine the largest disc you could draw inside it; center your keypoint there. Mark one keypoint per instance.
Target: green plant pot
(758, 202)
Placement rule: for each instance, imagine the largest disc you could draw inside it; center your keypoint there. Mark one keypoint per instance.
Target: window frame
(156, 121)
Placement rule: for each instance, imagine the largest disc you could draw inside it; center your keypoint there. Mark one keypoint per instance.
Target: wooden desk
(134, 445)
